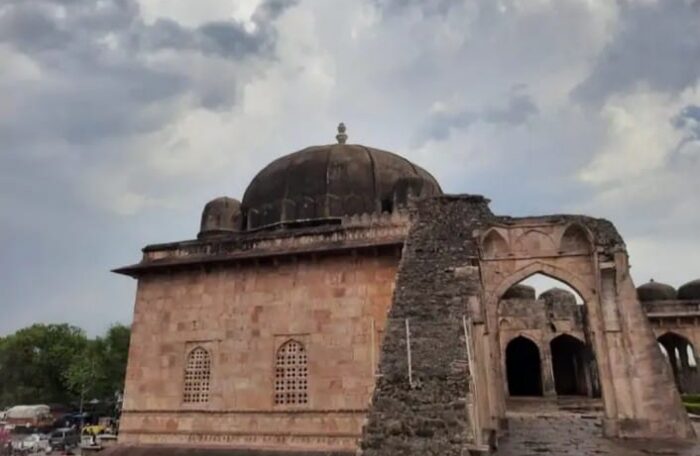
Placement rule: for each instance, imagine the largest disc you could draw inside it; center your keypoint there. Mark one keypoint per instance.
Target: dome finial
(341, 136)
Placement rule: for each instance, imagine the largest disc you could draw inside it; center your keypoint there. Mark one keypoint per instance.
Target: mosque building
(347, 304)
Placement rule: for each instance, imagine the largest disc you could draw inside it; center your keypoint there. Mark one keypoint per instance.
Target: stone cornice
(358, 232)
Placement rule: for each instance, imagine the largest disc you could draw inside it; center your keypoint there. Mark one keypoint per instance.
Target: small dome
(220, 216)
(690, 290)
(558, 295)
(321, 184)
(656, 291)
(519, 291)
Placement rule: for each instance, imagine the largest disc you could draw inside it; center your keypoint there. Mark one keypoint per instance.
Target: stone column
(548, 385)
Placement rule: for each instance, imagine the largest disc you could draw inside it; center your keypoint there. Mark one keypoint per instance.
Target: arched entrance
(681, 356)
(589, 256)
(523, 367)
(569, 366)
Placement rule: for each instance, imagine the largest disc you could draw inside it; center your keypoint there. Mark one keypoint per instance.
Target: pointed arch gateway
(590, 257)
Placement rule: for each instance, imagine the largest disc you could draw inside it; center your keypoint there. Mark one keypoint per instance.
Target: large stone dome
(519, 291)
(656, 291)
(690, 291)
(320, 184)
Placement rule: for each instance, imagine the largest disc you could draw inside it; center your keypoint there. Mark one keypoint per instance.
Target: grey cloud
(518, 110)
(687, 121)
(655, 43)
(227, 39)
(269, 10)
(690, 113)
(31, 28)
(429, 8)
(97, 92)
(67, 134)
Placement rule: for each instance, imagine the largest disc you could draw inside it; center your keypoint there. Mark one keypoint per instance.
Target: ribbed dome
(690, 290)
(220, 216)
(656, 291)
(324, 183)
(558, 295)
(519, 291)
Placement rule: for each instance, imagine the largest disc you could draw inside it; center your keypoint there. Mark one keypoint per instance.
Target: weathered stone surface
(429, 415)
(166, 450)
(336, 305)
(324, 276)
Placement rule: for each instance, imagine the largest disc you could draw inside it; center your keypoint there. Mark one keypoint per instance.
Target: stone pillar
(674, 364)
(548, 384)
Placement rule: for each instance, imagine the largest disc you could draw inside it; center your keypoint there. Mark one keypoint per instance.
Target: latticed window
(197, 377)
(291, 374)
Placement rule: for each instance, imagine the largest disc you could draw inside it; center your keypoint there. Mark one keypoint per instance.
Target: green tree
(33, 361)
(59, 364)
(83, 375)
(115, 352)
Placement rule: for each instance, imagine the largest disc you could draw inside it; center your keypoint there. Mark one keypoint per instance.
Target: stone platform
(573, 427)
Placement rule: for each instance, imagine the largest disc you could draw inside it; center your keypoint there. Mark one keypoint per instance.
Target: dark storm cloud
(101, 84)
(88, 80)
(656, 44)
(221, 38)
(518, 109)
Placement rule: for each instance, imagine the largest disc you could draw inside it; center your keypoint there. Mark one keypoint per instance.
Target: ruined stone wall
(336, 305)
(435, 280)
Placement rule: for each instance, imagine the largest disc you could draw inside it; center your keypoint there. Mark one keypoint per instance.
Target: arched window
(197, 377)
(291, 374)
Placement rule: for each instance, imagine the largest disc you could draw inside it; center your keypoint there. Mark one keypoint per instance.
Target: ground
(573, 427)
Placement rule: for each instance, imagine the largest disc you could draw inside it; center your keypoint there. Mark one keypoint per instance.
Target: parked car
(33, 443)
(64, 438)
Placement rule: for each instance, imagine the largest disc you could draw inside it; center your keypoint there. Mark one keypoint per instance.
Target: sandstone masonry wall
(336, 305)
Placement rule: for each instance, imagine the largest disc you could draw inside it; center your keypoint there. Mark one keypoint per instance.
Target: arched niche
(494, 244)
(534, 242)
(575, 239)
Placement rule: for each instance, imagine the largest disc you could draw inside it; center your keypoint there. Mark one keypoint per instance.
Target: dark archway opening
(681, 355)
(523, 367)
(569, 366)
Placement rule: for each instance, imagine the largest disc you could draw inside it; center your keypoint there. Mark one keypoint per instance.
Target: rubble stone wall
(428, 415)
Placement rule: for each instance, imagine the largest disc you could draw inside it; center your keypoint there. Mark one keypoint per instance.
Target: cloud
(440, 123)
(656, 45)
(121, 118)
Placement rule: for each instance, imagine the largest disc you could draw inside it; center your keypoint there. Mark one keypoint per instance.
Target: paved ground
(573, 430)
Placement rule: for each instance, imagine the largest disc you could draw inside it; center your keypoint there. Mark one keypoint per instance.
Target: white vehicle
(33, 443)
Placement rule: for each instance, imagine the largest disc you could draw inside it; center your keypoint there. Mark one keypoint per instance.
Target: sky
(120, 119)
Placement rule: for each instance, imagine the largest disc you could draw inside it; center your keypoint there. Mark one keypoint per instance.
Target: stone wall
(334, 304)
(428, 415)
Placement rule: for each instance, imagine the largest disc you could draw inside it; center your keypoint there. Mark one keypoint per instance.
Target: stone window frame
(302, 373)
(206, 377)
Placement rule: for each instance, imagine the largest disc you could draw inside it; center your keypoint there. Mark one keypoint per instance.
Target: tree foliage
(58, 363)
